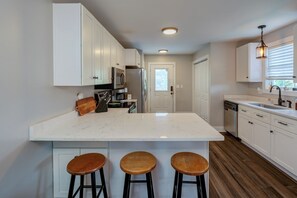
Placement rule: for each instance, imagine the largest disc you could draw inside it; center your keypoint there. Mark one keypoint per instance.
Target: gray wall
(222, 77)
(183, 77)
(27, 96)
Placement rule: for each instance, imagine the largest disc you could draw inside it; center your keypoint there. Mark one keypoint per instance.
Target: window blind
(280, 62)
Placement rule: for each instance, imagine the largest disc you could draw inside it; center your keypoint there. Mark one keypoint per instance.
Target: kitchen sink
(266, 106)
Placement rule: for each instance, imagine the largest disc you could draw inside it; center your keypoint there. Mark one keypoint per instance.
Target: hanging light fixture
(261, 50)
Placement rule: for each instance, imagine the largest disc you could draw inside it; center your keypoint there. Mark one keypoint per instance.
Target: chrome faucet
(280, 100)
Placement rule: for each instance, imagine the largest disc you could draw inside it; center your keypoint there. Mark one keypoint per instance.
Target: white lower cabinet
(283, 148)
(245, 129)
(261, 137)
(255, 133)
(61, 157)
(276, 138)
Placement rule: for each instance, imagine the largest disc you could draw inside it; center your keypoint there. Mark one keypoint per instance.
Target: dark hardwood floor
(237, 171)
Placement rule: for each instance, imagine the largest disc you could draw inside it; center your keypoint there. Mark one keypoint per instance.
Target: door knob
(171, 89)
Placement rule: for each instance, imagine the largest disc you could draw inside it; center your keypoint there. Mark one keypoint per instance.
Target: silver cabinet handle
(243, 110)
(282, 123)
(259, 115)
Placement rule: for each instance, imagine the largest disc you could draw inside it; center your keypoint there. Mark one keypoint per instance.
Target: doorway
(201, 81)
(161, 87)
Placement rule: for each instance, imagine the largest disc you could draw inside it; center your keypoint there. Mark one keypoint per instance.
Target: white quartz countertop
(118, 125)
(285, 112)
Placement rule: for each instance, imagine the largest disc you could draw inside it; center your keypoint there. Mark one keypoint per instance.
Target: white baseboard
(219, 128)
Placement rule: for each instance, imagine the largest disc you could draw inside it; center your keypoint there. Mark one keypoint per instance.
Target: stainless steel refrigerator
(137, 86)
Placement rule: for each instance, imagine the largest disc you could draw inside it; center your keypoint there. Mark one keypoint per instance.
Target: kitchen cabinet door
(245, 129)
(132, 57)
(261, 137)
(87, 47)
(98, 53)
(120, 56)
(61, 157)
(248, 68)
(283, 148)
(113, 53)
(106, 57)
(75, 45)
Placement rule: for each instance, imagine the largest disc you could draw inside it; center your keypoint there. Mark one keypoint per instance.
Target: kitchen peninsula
(114, 134)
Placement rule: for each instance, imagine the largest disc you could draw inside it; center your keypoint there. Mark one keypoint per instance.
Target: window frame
(265, 65)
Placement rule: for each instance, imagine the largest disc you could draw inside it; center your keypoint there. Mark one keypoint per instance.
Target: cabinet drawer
(284, 123)
(243, 110)
(261, 116)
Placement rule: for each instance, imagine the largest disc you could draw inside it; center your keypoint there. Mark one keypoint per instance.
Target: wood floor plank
(237, 171)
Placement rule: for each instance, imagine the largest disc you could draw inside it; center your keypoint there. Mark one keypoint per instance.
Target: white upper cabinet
(106, 65)
(73, 43)
(117, 54)
(248, 68)
(132, 57)
(84, 51)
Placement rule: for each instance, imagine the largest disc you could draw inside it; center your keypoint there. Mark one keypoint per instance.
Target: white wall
(27, 96)
(222, 75)
(183, 77)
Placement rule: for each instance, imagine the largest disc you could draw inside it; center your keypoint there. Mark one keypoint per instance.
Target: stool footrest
(138, 181)
(190, 182)
(89, 186)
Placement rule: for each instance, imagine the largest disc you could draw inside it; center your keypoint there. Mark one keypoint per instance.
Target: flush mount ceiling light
(169, 30)
(163, 51)
(261, 50)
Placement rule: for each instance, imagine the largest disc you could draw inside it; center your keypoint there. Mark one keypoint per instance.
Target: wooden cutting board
(85, 105)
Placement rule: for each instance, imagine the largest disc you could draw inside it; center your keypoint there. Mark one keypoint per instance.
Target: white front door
(161, 88)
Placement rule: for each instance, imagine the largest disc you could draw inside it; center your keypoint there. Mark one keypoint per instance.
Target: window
(280, 65)
(161, 79)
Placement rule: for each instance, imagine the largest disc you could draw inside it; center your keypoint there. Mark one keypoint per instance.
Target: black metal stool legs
(71, 187)
(103, 183)
(127, 186)
(81, 190)
(175, 185)
(148, 181)
(179, 184)
(178, 181)
(93, 186)
(203, 188)
(150, 189)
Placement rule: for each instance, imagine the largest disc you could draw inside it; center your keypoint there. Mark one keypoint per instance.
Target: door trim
(199, 60)
(149, 83)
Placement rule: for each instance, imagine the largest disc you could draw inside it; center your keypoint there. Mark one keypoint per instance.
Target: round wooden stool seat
(189, 163)
(86, 163)
(139, 162)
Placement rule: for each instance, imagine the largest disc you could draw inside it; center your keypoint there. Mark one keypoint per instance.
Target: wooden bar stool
(137, 163)
(189, 164)
(87, 164)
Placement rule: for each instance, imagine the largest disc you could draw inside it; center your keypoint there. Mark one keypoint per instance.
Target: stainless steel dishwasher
(231, 117)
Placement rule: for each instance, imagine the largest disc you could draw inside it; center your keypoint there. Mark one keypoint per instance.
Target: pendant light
(261, 50)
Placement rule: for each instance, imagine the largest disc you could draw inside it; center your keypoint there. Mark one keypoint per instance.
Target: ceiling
(138, 23)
